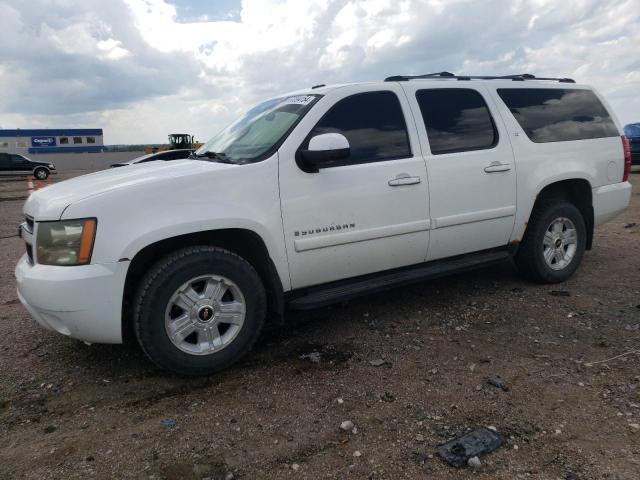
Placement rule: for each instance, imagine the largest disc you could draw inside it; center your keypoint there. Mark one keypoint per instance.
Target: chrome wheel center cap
(206, 313)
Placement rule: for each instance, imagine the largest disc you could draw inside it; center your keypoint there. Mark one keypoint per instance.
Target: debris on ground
(50, 429)
(347, 425)
(498, 383)
(629, 225)
(169, 422)
(387, 397)
(314, 357)
(459, 451)
(474, 462)
(379, 362)
(560, 293)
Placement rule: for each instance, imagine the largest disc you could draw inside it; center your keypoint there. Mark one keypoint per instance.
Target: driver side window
(372, 122)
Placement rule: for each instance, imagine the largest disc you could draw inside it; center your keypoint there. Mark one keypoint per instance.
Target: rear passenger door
(470, 165)
(4, 162)
(20, 164)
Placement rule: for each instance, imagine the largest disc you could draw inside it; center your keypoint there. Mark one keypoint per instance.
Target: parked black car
(165, 155)
(632, 132)
(12, 164)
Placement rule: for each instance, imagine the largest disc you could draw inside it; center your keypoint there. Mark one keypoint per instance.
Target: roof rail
(516, 78)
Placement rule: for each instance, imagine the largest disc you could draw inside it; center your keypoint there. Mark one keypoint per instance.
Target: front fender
(236, 196)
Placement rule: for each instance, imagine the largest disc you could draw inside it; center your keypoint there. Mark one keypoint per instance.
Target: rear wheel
(554, 243)
(199, 310)
(41, 173)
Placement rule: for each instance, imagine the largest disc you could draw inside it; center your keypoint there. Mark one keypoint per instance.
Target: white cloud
(133, 68)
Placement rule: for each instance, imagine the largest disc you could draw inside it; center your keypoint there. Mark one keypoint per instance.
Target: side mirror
(325, 149)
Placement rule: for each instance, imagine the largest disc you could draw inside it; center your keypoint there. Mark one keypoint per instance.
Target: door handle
(403, 179)
(497, 167)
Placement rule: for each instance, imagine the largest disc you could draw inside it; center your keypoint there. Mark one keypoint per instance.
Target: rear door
(472, 174)
(20, 164)
(370, 212)
(4, 162)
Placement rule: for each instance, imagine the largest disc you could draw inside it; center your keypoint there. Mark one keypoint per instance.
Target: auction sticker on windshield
(299, 99)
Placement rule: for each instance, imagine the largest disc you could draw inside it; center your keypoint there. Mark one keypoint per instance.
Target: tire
(41, 173)
(557, 218)
(160, 308)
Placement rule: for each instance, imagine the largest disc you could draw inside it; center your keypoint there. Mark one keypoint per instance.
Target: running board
(313, 297)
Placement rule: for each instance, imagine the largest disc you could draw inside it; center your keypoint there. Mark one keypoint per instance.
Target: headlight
(67, 242)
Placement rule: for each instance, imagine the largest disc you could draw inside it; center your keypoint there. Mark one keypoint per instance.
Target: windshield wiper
(213, 156)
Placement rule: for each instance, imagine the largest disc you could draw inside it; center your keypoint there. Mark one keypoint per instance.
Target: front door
(472, 175)
(368, 213)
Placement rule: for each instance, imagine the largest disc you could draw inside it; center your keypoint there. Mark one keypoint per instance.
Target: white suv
(322, 195)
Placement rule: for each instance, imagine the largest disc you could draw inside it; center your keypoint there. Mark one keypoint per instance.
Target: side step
(313, 297)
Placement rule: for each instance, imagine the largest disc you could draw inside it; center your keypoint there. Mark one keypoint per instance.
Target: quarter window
(374, 124)
(558, 115)
(456, 119)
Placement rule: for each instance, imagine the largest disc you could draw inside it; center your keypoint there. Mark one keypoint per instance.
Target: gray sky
(141, 69)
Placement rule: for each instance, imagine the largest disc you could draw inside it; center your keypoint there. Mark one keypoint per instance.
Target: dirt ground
(569, 355)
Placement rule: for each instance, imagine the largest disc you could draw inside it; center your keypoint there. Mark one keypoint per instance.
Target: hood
(50, 202)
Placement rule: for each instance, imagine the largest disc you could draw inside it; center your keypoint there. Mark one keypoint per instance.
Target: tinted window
(558, 115)
(64, 140)
(456, 119)
(373, 123)
(18, 160)
(77, 139)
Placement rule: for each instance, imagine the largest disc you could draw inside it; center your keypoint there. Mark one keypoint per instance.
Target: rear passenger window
(373, 123)
(558, 115)
(456, 119)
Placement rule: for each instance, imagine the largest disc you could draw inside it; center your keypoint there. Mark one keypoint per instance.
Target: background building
(68, 140)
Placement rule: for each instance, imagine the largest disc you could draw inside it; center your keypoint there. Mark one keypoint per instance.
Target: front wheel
(554, 243)
(199, 310)
(41, 173)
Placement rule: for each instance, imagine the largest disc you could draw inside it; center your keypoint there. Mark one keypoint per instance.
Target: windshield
(260, 128)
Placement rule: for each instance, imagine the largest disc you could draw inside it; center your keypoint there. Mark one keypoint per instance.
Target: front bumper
(610, 201)
(82, 302)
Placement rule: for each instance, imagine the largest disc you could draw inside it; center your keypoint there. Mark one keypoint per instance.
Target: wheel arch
(575, 190)
(243, 242)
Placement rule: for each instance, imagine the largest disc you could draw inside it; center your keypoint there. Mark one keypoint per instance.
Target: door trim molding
(342, 238)
(479, 216)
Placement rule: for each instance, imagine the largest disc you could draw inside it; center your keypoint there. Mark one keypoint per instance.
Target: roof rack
(516, 78)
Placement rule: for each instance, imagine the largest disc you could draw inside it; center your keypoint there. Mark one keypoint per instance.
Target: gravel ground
(568, 354)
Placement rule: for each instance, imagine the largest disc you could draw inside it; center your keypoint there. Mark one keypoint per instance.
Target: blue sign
(43, 141)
